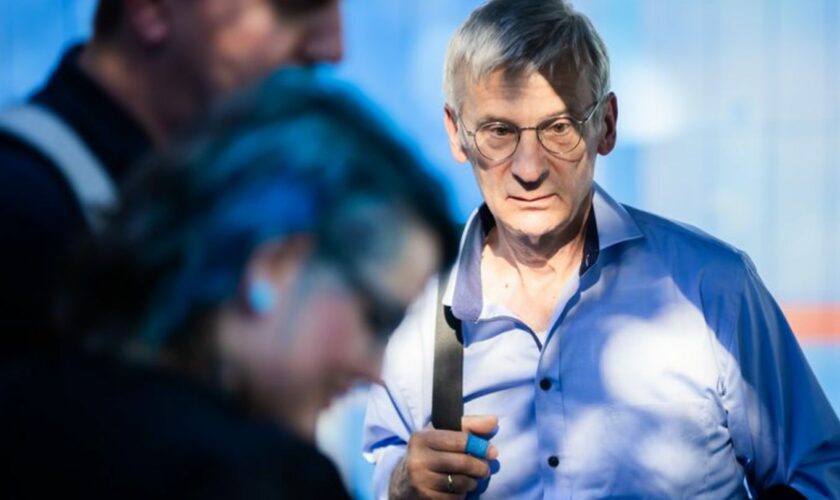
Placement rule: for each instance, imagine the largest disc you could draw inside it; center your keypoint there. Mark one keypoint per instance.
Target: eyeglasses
(560, 136)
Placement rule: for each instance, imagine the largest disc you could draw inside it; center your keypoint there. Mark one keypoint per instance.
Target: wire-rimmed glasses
(560, 136)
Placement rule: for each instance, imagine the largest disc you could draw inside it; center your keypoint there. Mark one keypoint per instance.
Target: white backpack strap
(52, 137)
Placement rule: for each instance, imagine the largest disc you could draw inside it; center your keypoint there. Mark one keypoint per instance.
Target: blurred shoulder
(31, 187)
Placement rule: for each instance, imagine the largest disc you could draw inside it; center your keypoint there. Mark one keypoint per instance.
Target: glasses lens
(560, 136)
(496, 141)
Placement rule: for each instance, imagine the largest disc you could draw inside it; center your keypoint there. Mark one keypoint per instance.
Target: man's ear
(149, 20)
(607, 139)
(455, 144)
(276, 263)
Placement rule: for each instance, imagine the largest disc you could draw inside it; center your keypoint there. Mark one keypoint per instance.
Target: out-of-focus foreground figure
(250, 276)
(150, 70)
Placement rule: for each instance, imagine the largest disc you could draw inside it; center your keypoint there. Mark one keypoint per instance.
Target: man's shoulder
(410, 349)
(19, 152)
(420, 314)
(686, 246)
(28, 176)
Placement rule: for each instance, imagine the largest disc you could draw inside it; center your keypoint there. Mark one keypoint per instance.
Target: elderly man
(607, 352)
(151, 68)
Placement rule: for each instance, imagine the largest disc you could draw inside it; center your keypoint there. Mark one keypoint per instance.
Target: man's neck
(155, 103)
(550, 253)
(527, 274)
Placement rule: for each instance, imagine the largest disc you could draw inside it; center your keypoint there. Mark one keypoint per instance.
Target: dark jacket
(82, 427)
(39, 215)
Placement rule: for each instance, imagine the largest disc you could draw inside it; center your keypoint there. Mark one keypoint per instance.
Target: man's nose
(529, 166)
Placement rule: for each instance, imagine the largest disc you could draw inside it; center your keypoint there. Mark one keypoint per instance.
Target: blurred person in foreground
(151, 69)
(607, 352)
(252, 275)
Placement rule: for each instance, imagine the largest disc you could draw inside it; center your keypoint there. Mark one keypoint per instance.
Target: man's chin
(533, 226)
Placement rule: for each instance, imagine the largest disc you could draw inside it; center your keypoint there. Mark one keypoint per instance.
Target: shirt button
(545, 384)
(553, 461)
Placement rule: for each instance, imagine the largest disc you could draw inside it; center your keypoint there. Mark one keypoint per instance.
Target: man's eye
(499, 130)
(560, 127)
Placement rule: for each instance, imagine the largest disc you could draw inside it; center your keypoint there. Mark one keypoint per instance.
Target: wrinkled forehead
(514, 84)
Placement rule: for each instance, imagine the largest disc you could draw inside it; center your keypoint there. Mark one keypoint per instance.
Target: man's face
(228, 44)
(329, 334)
(532, 193)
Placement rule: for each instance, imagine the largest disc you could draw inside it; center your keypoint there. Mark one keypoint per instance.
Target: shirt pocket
(659, 449)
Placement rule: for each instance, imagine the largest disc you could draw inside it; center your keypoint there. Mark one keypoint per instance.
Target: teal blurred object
(729, 120)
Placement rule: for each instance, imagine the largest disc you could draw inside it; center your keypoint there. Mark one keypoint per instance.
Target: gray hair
(521, 37)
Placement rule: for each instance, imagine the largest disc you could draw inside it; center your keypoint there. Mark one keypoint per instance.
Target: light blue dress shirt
(668, 372)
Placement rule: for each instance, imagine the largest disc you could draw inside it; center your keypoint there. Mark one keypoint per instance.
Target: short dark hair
(109, 13)
(108, 16)
(295, 156)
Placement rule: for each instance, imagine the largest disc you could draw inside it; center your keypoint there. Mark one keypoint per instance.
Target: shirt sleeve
(399, 404)
(783, 428)
(385, 438)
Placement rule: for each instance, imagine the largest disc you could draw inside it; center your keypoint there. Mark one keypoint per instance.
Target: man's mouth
(530, 199)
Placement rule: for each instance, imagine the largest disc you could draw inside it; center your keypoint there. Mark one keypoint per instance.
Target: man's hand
(434, 456)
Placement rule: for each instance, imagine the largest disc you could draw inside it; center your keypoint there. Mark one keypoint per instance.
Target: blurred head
(199, 50)
(536, 65)
(273, 253)
(260, 34)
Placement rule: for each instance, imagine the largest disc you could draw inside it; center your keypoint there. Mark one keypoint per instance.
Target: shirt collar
(611, 225)
(615, 224)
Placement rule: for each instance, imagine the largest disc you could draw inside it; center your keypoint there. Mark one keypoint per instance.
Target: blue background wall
(729, 120)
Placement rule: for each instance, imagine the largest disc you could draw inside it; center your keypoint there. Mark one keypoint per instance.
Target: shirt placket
(549, 401)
